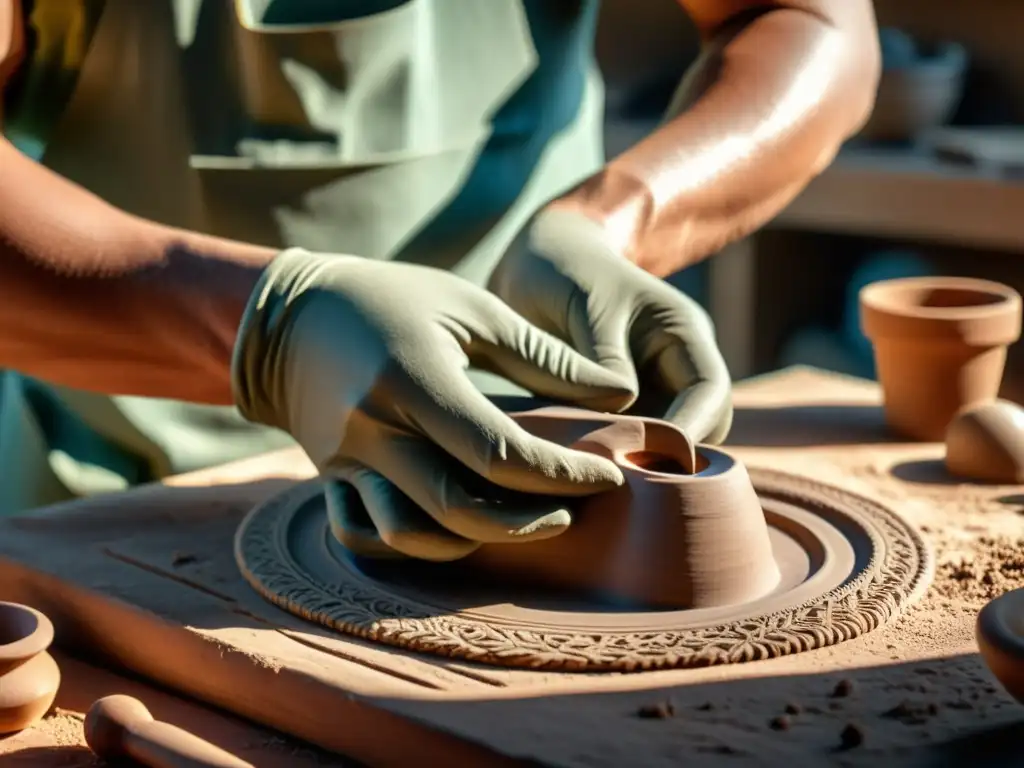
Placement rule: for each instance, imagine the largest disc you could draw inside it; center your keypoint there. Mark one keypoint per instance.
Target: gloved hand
(565, 277)
(364, 363)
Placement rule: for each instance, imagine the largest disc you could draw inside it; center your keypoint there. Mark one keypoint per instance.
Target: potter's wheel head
(847, 566)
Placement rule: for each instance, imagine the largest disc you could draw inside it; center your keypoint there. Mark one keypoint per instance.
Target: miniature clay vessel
(940, 345)
(1000, 635)
(29, 677)
(119, 727)
(670, 537)
(986, 442)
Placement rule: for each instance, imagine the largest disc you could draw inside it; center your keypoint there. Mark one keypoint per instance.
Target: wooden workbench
(146, 579)
(59, 740)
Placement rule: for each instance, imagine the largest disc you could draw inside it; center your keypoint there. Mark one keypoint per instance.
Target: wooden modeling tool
(119, 727)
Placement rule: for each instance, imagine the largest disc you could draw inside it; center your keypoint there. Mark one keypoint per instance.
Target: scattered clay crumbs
(64, 727)
(995, 566)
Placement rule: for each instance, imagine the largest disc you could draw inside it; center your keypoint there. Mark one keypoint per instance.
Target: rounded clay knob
(986, 442)
(107, 720)
(119, 726)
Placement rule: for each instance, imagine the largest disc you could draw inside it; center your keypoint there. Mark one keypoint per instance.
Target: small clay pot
(1000, 635)
(670, 537)
(29, 677)
(919, 94)
(940, 345)
(985, 442)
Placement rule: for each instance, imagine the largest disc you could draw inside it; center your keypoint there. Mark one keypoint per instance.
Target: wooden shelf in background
(882, 193)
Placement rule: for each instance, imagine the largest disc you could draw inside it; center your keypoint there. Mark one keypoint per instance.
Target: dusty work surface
(58, 741)
(147, 579)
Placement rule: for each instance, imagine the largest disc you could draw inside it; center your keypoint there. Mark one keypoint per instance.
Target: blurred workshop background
(934, 184)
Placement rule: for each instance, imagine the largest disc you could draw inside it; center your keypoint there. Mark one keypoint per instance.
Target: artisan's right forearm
(98, 299)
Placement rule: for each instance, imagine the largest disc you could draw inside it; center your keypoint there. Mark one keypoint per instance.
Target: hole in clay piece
(954, 297)
(16, 625)
(663, 463)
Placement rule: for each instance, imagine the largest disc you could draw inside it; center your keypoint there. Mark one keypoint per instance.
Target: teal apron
(426, 131)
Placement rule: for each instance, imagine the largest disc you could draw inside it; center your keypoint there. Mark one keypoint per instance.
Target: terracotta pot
(940, 345)
(669, 537)
(29, 677)
(1000, 635)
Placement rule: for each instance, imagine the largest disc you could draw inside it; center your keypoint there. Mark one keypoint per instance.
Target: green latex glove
(364, 363)
(566, 278)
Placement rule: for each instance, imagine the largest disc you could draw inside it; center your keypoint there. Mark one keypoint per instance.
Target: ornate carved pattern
(898, 573)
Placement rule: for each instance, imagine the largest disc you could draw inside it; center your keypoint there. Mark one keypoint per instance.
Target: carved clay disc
(848, 566)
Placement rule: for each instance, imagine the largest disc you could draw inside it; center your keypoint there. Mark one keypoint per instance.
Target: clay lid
(941, 309)
(24, 633)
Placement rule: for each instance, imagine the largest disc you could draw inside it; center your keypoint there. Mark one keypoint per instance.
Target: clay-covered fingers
(454, 498)
(544, 364)
(689, 365)
(351, 525)
(600, 328)
(456, 417)
(372, 517)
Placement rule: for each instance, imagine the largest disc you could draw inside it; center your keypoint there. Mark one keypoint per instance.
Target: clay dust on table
(56, 741)
(64, 727)
(994, 565)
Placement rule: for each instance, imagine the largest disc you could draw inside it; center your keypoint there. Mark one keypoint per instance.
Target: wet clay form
(29, 677)
(120, 727)
(1000, 635)
(670, 537)
(675, 570)
(940, 345)
(986, 442)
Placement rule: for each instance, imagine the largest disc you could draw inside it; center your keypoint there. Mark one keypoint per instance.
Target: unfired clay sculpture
(670, 537)
(986, 442)
(1000, 635)
(769, 563)
(940, 345)
(119, 727)
(29, 677)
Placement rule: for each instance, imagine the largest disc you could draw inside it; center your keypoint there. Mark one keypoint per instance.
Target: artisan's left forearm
(763, 110)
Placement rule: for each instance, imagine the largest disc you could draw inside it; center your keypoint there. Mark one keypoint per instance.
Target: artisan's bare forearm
(777, 89)
(97, 299)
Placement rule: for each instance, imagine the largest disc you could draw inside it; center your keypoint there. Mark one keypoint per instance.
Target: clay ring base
(848, 566)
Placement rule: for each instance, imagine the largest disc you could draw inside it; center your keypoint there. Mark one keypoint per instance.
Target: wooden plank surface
(59, 740)
(132, 576)
(880, 193)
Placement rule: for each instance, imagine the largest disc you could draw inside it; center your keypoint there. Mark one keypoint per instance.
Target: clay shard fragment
(29, 677)
(119, 727)
(986, 442)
